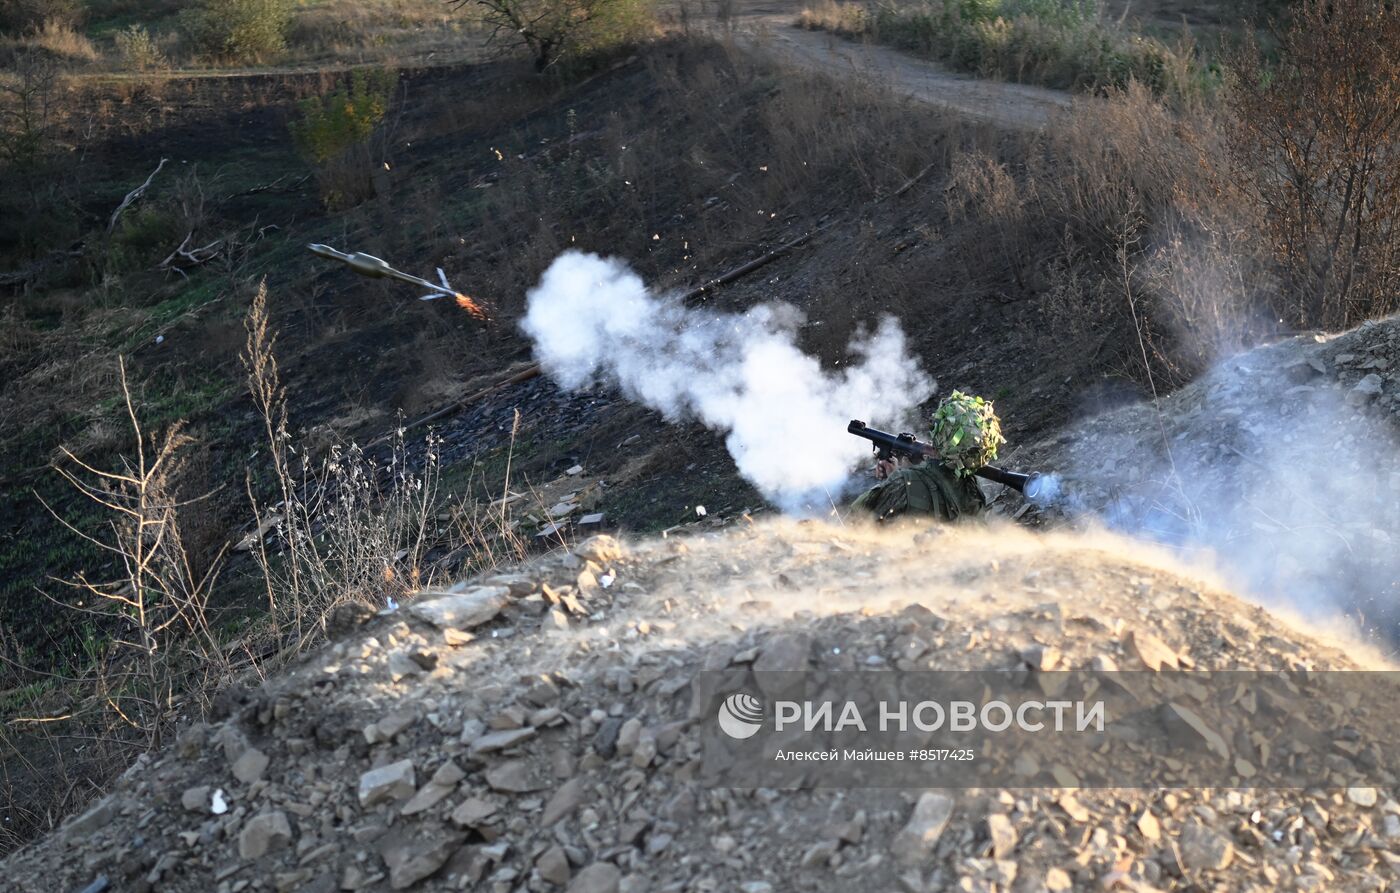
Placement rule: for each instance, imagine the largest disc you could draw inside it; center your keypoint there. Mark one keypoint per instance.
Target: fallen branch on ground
(133, 196)
(192, 257)
(758, 262)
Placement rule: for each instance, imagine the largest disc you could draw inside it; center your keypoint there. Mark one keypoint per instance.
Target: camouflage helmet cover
(966, 432)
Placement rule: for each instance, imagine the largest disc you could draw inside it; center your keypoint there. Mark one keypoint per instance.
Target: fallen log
(757, 263)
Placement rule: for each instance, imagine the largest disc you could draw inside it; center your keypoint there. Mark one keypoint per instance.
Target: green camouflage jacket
(926, 489)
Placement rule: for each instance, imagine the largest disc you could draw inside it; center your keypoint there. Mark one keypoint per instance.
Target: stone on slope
(413, 854)
(920, 835)
(500, 740)
(250, 765)
(600, 877)
(263, 833)
(473, 812)
(1002, 834)
(553, 865)
(564, 801)
(196, 799)
(1366, 389)
(513, 777)
(461, 610)
(392, 782)
(1185, 725)
(1205, 849)
(601, 549)
(1152, 651)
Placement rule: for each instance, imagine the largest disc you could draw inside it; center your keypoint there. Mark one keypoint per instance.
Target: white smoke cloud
(1290, 489)
(784, 417)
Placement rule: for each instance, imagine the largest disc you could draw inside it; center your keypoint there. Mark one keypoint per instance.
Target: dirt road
(1013, 106)
(764, 27)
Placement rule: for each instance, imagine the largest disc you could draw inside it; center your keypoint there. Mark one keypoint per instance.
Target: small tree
(342, 134)
(554, 29)
(1319, 142)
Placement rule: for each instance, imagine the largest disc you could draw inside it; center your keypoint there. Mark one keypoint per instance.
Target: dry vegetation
(1070, 44)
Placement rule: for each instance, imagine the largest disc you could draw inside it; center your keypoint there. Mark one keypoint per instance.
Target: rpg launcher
(890, 446)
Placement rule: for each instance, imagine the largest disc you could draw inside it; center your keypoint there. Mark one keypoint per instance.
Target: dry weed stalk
(160, 602)
(348, 527)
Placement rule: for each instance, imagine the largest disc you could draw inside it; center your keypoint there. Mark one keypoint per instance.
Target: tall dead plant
(351, 525)
(154, 600)
(1319, 141)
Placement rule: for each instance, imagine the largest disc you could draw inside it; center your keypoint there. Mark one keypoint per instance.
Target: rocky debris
(500, 740)
(920, 835)
(1152, 651)
(522, 762)
(196, 799)
(553, 866)
(389, 726)
(442, 784)
(1205, 849)
(1186, 725)
(600, 549)
(600, 877)
(563, 802)
(514, 777)
(461, 610)
(1002, 834)
(391, 782)
(411, 859)
(1366, 390)
(262, 833)
(250, 765)
(473, 812)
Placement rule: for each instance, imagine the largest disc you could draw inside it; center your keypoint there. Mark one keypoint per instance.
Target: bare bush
(156, 600)
(138, 50)
(28, 112)
(1319, 141)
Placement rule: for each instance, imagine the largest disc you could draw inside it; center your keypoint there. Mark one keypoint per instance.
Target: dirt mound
(1282, 460)
(534, 731)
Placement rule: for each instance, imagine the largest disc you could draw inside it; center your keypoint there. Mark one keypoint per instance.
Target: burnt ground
(366, 350)
(686, 160)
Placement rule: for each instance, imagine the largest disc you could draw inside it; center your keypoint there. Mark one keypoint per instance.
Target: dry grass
(375, 29)
(1070, 45)
(1125, 215)
(55, 38)
(846, 19)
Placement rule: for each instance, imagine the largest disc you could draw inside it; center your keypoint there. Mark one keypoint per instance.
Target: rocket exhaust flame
(471, 307)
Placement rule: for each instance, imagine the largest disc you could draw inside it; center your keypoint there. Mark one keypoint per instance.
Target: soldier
(966, 432)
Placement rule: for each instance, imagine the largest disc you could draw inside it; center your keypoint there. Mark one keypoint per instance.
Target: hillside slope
(533, 732)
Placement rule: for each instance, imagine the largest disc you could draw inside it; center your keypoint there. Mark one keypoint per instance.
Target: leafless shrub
(156, 599)
(29, 106)
(138, 50)
(1319, 142)
(1129, 183)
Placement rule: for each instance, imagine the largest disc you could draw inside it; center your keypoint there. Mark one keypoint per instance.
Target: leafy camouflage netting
(966, 432)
